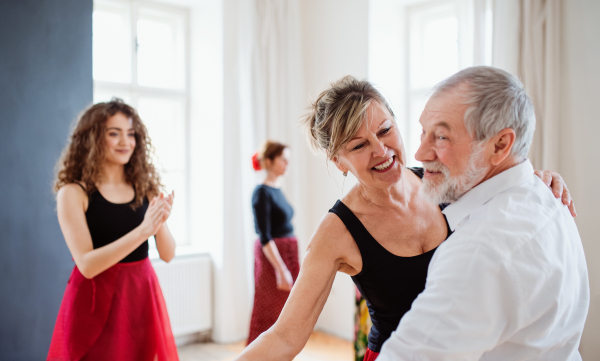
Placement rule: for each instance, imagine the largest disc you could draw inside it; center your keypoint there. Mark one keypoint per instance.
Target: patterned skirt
(118, 315)
(268, 300)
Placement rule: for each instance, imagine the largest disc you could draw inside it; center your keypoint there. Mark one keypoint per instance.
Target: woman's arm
(261, 204)
(165, 244)
(330, 249)
(282, 274)
(91, 262)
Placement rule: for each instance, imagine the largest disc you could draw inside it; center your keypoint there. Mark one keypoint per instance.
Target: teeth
(385, 165)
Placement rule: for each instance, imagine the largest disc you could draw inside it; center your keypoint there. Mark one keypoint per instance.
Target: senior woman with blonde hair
(383, 233)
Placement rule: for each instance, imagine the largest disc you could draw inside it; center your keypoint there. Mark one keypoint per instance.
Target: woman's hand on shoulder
(559, 188)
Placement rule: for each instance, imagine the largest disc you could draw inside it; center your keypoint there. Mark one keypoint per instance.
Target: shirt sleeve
(261, 203)
(469, 305)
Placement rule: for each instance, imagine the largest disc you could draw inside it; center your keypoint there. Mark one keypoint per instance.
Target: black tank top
(108, 222)
(388, 283)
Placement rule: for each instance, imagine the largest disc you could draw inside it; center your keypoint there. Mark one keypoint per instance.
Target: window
(140, 54)
(416, 44)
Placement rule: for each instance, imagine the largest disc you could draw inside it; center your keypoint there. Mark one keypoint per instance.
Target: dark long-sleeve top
(272, 214)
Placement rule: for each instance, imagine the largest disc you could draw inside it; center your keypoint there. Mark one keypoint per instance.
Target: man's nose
(425, 152)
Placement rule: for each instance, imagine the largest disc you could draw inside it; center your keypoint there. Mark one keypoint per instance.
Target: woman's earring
(345, 174)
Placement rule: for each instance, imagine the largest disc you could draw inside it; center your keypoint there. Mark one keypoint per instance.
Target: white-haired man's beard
(451, 188)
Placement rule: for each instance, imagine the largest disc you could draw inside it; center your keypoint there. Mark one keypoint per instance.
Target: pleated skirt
(118, 315)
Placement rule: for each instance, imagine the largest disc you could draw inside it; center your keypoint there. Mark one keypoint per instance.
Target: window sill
(180, 252)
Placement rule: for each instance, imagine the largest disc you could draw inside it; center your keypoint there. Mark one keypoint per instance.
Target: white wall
(335, 43)
(579, 164)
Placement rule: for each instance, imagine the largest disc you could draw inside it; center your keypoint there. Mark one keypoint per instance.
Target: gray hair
(497, 100)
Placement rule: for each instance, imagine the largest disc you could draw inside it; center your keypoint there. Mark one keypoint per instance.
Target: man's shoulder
(514, 217)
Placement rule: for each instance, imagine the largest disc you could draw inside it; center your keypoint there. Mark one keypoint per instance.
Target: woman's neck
(113, 174)
(272, 180)
(400, 193)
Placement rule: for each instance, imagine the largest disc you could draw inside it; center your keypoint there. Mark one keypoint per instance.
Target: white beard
(450, 189)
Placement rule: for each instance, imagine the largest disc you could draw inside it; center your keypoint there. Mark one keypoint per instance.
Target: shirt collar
(485, 191)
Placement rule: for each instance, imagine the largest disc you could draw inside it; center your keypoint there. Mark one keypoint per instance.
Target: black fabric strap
(355, 227)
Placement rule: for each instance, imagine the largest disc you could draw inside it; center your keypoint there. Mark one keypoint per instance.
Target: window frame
(390, 59)
(134, 91)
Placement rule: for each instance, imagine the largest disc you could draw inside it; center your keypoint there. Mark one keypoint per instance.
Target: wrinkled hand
(284, 280)
(558, 186)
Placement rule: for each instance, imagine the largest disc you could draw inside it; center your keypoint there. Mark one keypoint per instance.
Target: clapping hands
(157, 213)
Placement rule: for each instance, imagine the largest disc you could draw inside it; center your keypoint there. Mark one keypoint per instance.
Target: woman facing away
(383, 233)
(276, 264)
(109, 203)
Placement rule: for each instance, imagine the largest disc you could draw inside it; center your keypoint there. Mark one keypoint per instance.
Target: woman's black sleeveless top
(108, 222)
(387, 282)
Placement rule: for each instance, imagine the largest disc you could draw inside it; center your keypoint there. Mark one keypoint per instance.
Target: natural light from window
(139, 55)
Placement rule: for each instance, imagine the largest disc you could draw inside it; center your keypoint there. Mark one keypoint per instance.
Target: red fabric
(256, 162)
(118, 315)
(268, 300)
(370, 355)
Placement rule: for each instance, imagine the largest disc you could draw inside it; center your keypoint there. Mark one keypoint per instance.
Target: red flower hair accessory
(256, 162)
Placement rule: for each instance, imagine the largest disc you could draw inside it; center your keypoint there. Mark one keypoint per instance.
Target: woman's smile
(385, 165)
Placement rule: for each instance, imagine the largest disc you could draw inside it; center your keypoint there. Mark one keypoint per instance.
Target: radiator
(187, 288)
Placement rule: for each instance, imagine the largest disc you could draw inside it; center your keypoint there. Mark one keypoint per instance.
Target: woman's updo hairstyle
(269, 150)
(338, 113)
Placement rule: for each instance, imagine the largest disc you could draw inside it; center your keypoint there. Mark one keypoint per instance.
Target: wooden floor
(320, 347)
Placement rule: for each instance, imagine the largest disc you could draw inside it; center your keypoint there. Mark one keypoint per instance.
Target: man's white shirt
(511, 283)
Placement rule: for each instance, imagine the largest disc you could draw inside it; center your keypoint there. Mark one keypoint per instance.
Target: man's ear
(503, 143)
(335, 161)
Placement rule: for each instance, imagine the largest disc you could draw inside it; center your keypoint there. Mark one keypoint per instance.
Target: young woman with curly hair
(109, 203)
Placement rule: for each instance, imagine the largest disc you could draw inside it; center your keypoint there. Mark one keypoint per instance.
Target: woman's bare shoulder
(72, 193)
(333, 239)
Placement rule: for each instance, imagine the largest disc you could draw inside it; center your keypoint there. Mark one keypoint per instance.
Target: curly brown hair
(81, 161)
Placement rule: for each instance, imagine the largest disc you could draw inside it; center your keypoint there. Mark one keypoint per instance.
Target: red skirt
(118, 315)
(268, 300)
(370, 355)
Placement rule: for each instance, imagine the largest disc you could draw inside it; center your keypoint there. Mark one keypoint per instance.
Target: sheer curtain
(527, 44)
(263, 98)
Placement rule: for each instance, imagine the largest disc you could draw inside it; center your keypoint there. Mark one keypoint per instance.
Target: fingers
(557, 186)
(547, 178)
(284, 287)
(544, 176)
(572, 209)
(566, 197)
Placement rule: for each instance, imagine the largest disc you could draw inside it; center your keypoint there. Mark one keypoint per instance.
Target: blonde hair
(338, 113)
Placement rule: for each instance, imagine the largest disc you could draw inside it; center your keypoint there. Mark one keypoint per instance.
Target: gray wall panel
(45, 81)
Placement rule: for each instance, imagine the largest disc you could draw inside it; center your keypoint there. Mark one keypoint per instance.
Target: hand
(559, 188)
(158, 209)
(284, 280)
(169, 199)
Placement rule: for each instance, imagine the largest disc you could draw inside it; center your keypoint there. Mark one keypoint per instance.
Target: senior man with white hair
(511, 282)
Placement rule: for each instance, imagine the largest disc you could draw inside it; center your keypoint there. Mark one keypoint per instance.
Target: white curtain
(263, 98)
(527, 44)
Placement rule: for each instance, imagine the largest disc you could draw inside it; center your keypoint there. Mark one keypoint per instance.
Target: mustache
(436, 167)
